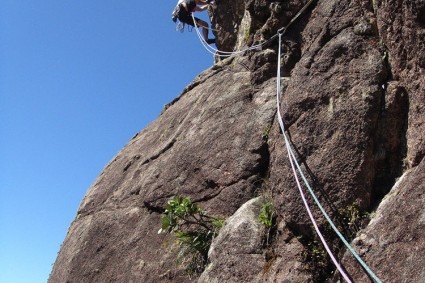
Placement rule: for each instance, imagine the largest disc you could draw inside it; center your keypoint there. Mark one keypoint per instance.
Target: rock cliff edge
(353, 93)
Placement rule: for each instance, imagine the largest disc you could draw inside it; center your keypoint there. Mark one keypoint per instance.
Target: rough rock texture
(395, 234)
(401, 27)
(353, 104)
(240, 240)
(331, 109)
(208, 145)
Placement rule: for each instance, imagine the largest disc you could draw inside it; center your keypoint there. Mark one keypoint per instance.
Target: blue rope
(353, 252)
(291, 160)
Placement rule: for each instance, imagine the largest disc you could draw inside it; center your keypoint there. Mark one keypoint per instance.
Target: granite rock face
(353, 103)
(208, 146)
(240, 240)
(394, 237)
(401, 27)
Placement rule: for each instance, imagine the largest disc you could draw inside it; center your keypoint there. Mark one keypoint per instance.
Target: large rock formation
(353, 104)
(394, 237)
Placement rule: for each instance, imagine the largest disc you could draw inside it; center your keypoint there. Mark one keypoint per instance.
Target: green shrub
(316, 259)
(266, 218)
(194, 231)
(266, 215)
(353, 218)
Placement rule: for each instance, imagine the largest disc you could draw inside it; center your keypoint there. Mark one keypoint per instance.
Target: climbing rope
(215, 51)
(310, 214)
(293, 159)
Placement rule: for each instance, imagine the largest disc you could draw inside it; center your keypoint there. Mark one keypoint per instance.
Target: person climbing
(183, 12)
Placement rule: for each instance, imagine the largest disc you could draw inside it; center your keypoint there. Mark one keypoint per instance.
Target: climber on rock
(184, 10)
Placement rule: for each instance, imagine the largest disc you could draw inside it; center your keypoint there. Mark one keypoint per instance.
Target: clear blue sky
(78, 79)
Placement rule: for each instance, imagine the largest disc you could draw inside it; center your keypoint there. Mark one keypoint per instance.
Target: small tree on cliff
(194, 231)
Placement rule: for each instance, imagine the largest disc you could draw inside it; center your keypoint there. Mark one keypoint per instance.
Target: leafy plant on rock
(353, 218)
(194, 231)
(266, 217)
(317, 261)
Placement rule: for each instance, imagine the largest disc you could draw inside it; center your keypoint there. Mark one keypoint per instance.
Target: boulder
(237, 252)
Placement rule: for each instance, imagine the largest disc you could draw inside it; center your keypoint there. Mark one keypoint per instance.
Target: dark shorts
(186, 17)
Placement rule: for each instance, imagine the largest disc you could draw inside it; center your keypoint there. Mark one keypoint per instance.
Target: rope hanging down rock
(310, 214)
(293, 160)
(281, 31)
(291, 155)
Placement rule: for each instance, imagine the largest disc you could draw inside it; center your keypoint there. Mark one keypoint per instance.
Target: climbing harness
(292, 158)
